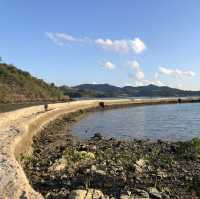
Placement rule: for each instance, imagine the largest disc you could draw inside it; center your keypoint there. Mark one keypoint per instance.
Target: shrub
(189, 149)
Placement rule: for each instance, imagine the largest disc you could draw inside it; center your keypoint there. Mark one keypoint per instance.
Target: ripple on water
(169, 122)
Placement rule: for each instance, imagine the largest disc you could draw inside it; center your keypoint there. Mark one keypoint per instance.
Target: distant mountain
(106, 90)
(19, 86)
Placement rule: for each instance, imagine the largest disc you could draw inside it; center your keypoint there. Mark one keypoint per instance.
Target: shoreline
(18, 127)
(8, 107)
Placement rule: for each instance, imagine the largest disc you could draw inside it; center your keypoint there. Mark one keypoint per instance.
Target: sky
(124, 42)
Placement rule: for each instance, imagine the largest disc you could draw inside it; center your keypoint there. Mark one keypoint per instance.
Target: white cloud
(108, 65)
(145, 82)
(61, 38)
(139, 76)
(139, 79)
(138, 73)
(175, 73)
(121, 46)
(137, 45)
(116, 45)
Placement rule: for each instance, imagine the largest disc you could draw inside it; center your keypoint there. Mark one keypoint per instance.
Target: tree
(1, 59)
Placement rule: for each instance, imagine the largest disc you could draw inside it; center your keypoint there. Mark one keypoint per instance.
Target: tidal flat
(62, 166)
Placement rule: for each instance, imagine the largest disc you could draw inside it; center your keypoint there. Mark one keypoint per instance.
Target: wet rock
(97, 136)
(173, 149)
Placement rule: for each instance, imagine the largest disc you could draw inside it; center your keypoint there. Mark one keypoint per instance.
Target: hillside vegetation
(19, 86)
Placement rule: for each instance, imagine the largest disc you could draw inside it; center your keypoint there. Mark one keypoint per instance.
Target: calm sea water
(169, 122)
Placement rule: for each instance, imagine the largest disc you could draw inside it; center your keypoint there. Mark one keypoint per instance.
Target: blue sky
(131, 42)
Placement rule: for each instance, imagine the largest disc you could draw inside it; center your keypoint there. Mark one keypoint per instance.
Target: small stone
(140, 165)
(165, 196)
(93, 168)
(86, 194)
(153, 192)
(123, 196)
(97, 172)
(59, 165)
(78, 194)
(162, 174)
(94, 194)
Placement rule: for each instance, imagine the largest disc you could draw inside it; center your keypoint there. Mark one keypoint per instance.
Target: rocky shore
(64, 167)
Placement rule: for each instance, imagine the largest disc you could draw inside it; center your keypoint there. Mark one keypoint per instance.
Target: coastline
(18, 127)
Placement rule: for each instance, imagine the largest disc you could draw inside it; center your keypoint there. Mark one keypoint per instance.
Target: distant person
(46, 107)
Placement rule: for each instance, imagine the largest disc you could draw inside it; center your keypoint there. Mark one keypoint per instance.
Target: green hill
(19, 86)
(106, 90)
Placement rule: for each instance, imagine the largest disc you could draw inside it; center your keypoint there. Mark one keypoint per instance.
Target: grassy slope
(19, 86)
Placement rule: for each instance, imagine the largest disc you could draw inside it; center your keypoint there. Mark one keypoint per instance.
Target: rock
(86, 194)
(140, 165)
(100, 172)
(60, 195)
(154, 193)
(58, 165)
(161, 174)
(94, 194)
(63, 193)
(128, 196)
(141, 162)
(124, 196)
(173, 149)
(97, 136)
(165, 196)
(97, 172)
(78, 194)
(141, 194)
(93, 168)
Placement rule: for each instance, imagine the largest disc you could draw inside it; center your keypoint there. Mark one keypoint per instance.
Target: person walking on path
(46, 107)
